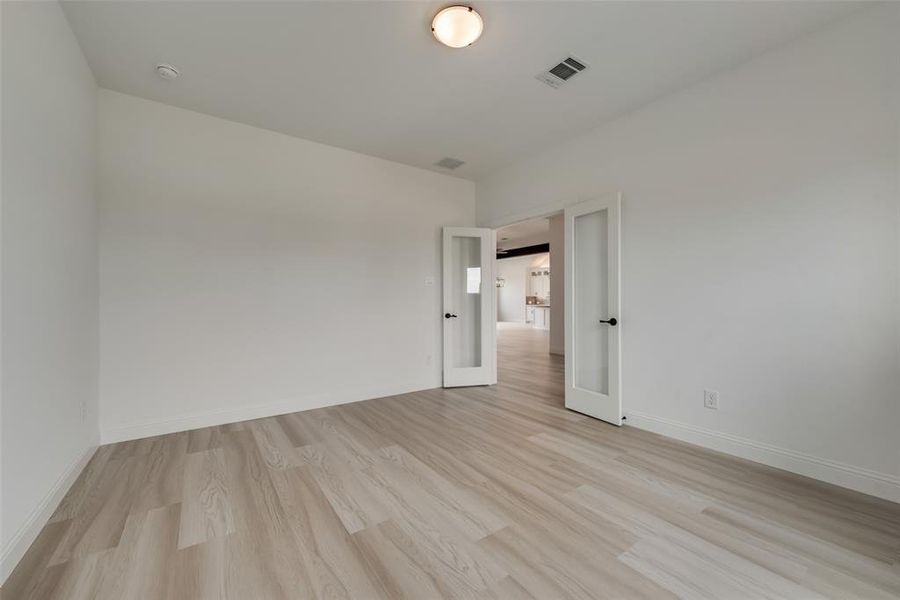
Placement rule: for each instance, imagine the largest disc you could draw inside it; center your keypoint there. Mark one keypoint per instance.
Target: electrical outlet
(711, 399)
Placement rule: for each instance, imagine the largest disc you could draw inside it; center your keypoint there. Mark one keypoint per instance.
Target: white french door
(468, 314)
(593, 300)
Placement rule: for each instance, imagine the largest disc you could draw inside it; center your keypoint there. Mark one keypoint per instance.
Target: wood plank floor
(492, 492)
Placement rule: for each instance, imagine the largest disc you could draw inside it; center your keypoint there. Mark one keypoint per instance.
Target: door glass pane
(473, 280)
(591, 279)
(465, 329)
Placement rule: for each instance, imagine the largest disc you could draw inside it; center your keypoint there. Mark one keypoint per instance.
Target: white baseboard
(40, 514)
(869, 482)
(141, 429)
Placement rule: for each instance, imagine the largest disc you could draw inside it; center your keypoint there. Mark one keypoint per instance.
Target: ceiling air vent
(449, 163)
(561, 73)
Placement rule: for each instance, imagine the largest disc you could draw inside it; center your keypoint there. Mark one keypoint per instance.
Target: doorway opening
(579, 296)
(530, 279)
(483, 282)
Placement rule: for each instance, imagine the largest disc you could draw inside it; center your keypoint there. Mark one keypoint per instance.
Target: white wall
(557, 285)
(511, 297)
(245, 272)
(760, 251)
(49, 268)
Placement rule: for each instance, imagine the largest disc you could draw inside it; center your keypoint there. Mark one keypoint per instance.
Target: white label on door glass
(473, 280)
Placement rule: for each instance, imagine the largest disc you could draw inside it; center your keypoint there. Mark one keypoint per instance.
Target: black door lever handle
(449, 316)
(612, 322)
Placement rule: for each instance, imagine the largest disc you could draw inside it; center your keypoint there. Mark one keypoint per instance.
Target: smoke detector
(167, 72)
(449, 163)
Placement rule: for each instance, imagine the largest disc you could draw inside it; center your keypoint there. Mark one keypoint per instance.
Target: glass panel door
(593, 303)
(468, 307)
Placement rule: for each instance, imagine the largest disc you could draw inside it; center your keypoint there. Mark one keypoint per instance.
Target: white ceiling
(526, 233)
(368, 76)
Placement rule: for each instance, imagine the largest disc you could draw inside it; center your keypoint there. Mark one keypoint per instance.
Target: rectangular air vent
(557, 75)
(449, 163)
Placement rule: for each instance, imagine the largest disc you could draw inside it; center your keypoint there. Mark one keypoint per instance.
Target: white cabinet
(539, 283)
(541, 319)
(529, 314)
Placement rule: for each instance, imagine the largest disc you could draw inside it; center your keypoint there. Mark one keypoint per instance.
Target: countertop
(537, 305)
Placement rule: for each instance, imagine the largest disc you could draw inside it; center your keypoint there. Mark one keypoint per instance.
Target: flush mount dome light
(457, 26)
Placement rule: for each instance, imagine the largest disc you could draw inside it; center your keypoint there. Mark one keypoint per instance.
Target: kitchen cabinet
(541, 319)
(539, 284)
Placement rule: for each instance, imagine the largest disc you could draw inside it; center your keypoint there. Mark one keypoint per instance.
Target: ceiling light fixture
(457, 26)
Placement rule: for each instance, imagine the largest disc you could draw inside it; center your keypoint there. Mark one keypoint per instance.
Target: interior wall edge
(881, 485)
(122, 432)
(50, 305)
(28, 532)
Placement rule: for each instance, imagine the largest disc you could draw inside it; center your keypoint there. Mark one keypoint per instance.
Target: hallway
(525, 365)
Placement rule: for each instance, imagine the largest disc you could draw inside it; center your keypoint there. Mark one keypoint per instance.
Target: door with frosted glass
(593, 318)
(468, 311)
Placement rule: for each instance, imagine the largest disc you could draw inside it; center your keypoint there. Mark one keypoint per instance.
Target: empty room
(521, 299)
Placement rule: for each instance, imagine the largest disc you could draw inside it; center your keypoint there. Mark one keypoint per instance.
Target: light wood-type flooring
(490, 492)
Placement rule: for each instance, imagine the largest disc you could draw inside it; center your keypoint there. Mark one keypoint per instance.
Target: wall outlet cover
(711, 399)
